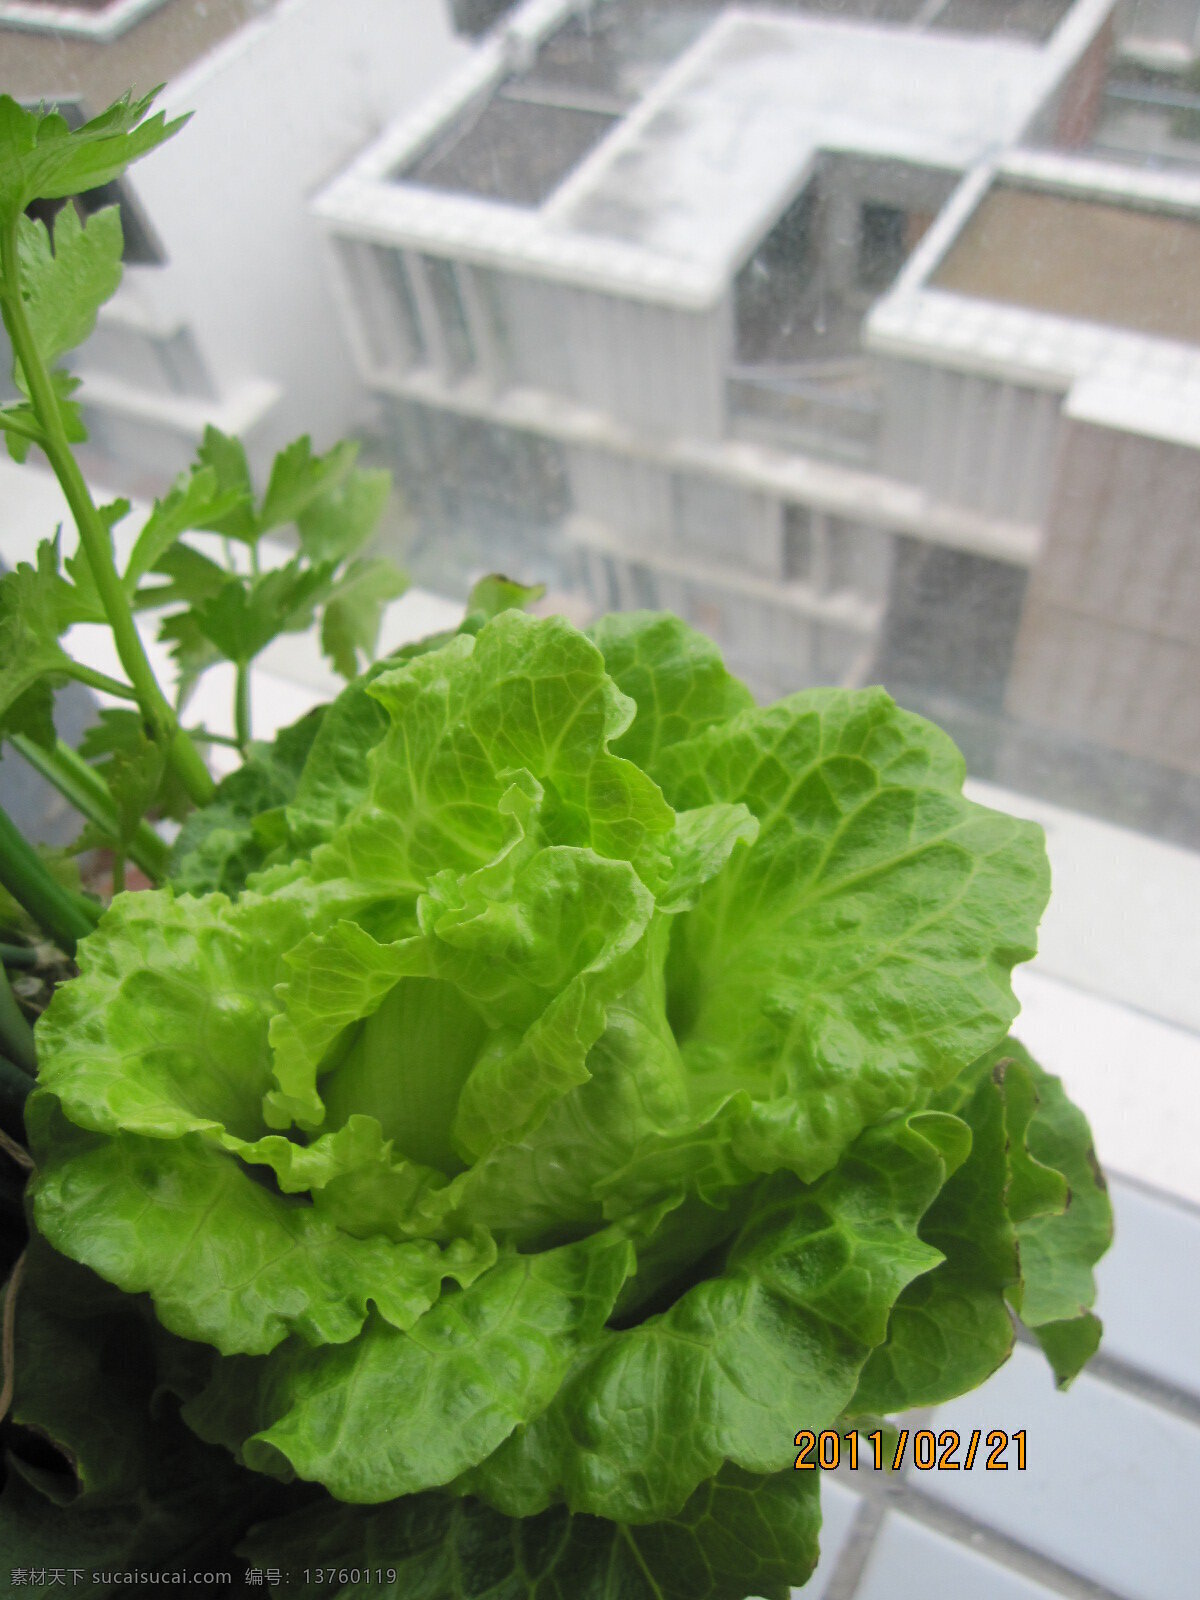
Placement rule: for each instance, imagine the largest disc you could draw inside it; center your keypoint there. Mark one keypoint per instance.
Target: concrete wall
(645, 365)
(279, 108)
(1109, 643)
(649, 507)
(768, 639)
(970, 440)
(793, 595)
(630, 496)
(1067, 118)
(1169, 23)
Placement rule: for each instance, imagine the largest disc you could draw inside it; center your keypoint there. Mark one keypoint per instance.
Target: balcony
(826, 408)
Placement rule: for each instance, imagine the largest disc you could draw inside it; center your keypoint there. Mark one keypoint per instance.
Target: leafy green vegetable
(738, 1534)
(52, 285)
(596, 1079)
(65, 288)
(350, 624)
(220, 845)
(548, 1082)
(1021, 1224)
(288, 796)
(101, 1473)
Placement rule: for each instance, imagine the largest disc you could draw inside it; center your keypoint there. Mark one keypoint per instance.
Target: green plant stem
(202, 736)
(21, 428)
(16, 1036)
(241, 706)
(67, 917)
(8, 1327)
(181, 752)
(89, 794)
(101, 681)
(18, 955)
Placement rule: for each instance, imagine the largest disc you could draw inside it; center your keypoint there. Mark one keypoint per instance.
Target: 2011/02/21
(930, 1451)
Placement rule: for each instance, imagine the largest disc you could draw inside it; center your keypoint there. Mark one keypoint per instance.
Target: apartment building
(224, 315)
(817, 327)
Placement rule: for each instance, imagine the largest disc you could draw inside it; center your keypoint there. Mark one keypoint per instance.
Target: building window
(773, 290)
(401, 308)
(645, 591)
(952, 619)
(797, 544)
(459, 347)
(882, 244)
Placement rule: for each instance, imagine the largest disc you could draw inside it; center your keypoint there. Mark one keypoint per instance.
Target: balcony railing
(829, 408)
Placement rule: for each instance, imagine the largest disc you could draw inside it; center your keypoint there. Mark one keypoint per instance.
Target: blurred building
(868, 341)
(224, 315)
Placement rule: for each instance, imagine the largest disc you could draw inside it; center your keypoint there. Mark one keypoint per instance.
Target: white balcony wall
(646, 366)
(382, 317)
(850, 182)
(279, 107)
(1123, 532)
(970, 440)
(144, 359)
(719, 521)
(1108, 640)
(646, 507)
(629, 497)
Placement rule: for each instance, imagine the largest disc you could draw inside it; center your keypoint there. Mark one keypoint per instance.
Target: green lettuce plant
(545, 1083)
(609, 1080)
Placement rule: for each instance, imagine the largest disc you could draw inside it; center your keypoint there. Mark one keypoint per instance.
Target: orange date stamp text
(948, 1451)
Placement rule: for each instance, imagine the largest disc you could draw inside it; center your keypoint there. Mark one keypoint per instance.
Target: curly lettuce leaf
(519, 696)
(398, 1411)
(674, 676)
(101, 1472)
(860, 954)
(1021, 1225)
(234, 835)
(293, 794)
(781, 1329)
(950, 1329)
(587, 1084)
(737, 1535)
(1060, 1245)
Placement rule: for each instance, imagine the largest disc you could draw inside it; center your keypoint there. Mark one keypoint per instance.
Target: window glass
(863, 333)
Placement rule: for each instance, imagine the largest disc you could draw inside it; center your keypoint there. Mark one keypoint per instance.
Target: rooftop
(511, 149)
(1102, 308)
(1079, 257)
(46, 7)
(604, 148)
(718, 145)
(45, 59)
(1019, 19)
(617, 48)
